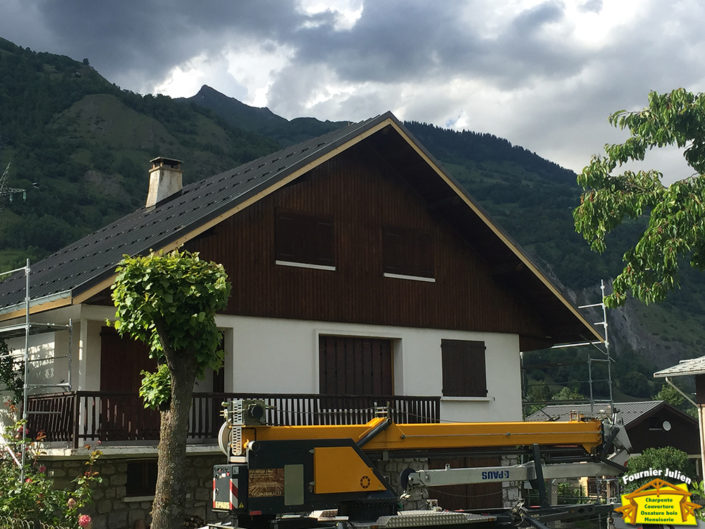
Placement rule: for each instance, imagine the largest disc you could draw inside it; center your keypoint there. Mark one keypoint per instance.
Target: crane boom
(433, 436)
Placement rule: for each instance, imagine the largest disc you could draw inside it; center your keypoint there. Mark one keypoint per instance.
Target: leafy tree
(658, 458)
(669, 394)
(676, 214)
(169, 302)
(567, 393)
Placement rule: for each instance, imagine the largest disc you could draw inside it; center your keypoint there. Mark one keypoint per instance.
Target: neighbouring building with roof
(692, 367)
(361, 271)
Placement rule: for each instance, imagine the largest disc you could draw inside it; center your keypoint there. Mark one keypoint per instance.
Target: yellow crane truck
(296, 477)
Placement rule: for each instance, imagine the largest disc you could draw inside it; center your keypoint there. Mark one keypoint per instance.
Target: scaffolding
(24, 330)
(604, 358)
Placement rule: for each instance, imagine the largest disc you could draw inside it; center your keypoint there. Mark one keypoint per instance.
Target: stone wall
(392, 468)
(511, 490)
(111, 509)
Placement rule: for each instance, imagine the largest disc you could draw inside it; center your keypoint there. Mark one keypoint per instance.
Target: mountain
(261, 121)
(80, 146)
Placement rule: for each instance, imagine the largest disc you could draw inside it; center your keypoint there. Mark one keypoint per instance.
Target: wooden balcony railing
(82, 417)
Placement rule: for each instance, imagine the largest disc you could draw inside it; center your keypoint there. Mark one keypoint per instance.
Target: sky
(543, 74)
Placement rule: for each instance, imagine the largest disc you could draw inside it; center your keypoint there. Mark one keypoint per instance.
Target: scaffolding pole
(25, 395)
(25, 329)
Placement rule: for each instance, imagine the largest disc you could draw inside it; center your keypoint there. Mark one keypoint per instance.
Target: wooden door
(122, 412)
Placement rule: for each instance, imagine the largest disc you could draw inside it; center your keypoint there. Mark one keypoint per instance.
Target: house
(360, 271)
(694, 367)
(649, 424)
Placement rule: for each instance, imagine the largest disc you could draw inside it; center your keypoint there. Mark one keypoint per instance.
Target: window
(141, 478)
(463, 364)
(407, 253)
(355, 366)
(304, 240)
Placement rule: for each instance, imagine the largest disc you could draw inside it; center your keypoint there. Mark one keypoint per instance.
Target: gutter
(50, 298)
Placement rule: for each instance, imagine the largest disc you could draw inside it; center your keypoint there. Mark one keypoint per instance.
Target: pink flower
(42, 469)
(84, 520)
(28, 480)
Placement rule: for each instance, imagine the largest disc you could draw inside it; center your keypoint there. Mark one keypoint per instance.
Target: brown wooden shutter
(463, 366)
(407, 252)
(355, 366)
(304, 239)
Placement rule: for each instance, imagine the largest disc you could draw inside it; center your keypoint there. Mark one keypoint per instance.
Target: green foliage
(11, 374)
(567, 393)
(571, 493)
(636, 384)
(29, 494)
(169, 302)
(676, 214)
(155, 388)
(671, 396)
(658, 458)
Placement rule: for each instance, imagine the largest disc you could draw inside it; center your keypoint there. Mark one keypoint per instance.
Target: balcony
(80, 417)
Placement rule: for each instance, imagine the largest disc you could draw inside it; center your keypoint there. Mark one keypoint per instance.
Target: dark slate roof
(628, 411)
(93, 258)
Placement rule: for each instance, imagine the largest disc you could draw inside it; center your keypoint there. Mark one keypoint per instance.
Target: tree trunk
(170, 495)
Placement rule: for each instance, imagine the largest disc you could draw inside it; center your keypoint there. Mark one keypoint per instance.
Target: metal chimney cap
(161, 161)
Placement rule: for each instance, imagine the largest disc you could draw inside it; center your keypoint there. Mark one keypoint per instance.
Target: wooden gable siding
(363, 194)
(649, 432)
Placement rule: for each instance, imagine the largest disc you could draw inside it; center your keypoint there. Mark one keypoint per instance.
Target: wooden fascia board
(102, 285)
(495, 230)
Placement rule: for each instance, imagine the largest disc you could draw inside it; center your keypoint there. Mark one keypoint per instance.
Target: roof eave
(36, 305)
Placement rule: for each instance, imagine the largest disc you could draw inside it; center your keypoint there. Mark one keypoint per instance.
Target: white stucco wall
(278, 355)
(281, 356)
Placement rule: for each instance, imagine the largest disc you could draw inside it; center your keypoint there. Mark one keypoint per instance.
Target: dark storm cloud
(147, 38)
(391, 41)
(137, 42)
(397, 41)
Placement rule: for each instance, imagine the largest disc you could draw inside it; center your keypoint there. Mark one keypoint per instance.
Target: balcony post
(75, 418)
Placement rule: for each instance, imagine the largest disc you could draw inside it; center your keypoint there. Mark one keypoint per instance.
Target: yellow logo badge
(659, 502)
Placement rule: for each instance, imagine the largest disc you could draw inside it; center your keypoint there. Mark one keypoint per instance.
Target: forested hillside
(80, 146)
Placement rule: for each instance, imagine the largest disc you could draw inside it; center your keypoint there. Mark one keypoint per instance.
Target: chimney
(164, 179)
